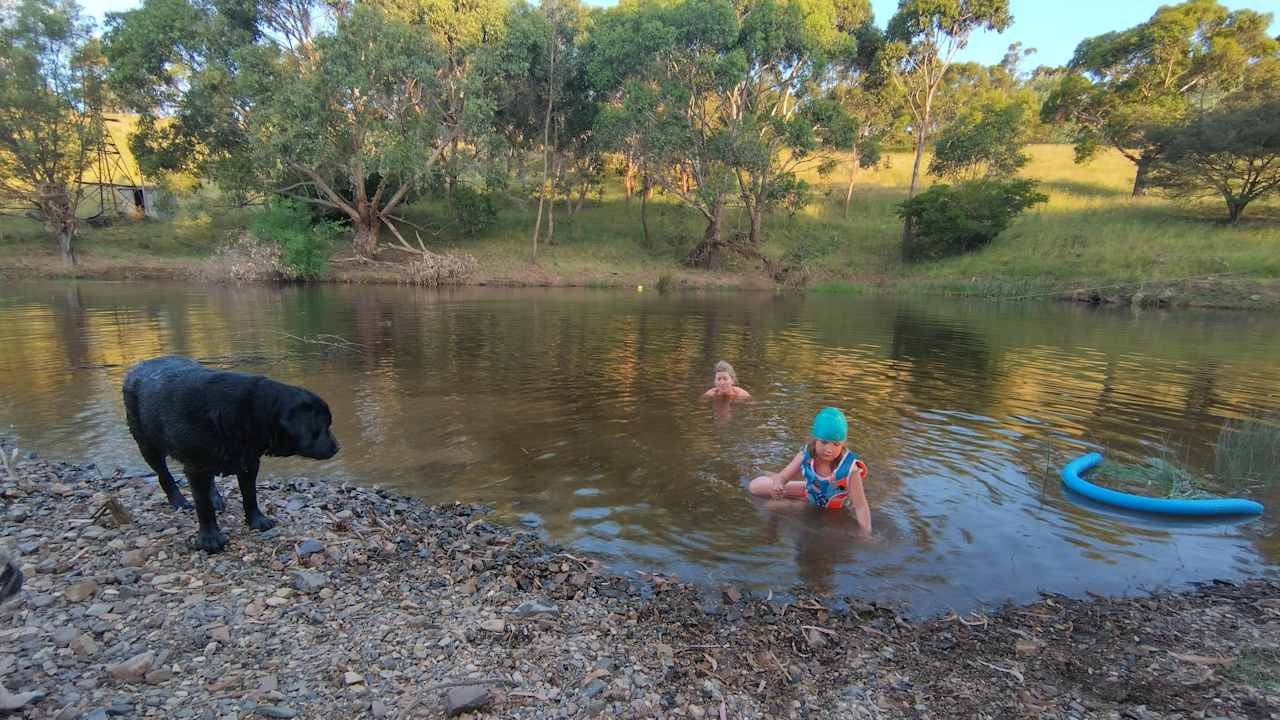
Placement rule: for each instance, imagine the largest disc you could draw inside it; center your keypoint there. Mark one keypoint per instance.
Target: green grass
(1090, 233)
(1247, 453)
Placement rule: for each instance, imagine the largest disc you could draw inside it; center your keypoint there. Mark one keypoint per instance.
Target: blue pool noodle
(1163, 506)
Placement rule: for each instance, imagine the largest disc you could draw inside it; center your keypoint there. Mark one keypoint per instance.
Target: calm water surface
(578, 411)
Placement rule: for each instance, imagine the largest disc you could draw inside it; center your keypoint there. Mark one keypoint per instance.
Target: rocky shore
(361, 604)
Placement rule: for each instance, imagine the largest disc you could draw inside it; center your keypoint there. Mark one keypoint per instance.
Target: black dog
(10, 578)
(220, 423)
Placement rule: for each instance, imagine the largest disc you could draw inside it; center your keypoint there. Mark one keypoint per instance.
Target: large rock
(133, 669)
(81, 591)
(465, 699)
(309, 582)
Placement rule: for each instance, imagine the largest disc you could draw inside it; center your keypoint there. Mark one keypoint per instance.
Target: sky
(1052, 27)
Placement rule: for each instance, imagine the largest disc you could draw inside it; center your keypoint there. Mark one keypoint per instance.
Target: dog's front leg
(209, 538)
(248, 478)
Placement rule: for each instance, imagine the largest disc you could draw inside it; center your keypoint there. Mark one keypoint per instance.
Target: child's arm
(790, 471)
(858, 504)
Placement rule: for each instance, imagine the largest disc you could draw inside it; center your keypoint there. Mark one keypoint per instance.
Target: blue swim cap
(830, 425)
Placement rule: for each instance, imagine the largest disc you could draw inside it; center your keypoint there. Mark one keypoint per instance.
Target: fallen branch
(464, 683)
(1009, 671)
(699, 647)
(119, 515)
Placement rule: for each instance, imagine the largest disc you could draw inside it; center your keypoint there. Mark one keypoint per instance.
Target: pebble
(536, 607)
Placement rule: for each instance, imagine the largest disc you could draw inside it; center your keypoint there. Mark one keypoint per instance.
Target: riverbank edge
(367, 604)
(1220, 291)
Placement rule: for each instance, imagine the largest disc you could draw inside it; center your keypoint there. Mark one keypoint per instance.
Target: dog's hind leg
(253, 516)
(209, 538)
(155, 459)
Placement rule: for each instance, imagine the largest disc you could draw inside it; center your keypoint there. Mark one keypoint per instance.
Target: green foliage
(304, 247)
(923, 38)
(473, 210)
(51, 100)
(1123, 84)
(956, 219)
(722, 102)
(985, 142)
(1232, 152)
(800, 259)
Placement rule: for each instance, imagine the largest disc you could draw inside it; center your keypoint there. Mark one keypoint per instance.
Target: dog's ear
(284, 430)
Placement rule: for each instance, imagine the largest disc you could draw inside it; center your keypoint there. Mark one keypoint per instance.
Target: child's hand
(779, 487)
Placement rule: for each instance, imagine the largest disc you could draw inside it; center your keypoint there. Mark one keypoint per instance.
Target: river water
(578, 412)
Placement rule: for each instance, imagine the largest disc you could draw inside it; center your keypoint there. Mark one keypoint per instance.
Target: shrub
(949, 220)
(305, 245)
(473, 210)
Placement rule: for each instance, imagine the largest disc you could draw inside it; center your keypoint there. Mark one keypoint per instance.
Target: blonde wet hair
(725, 367)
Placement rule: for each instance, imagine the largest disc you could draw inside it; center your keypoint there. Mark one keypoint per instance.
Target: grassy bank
(1090, 235)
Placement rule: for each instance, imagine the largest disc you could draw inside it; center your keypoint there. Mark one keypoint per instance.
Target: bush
(305, 245)
(474, 211)
(949, 220)
(800, 261)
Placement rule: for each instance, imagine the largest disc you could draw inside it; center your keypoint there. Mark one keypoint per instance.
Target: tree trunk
(65, 236)
(1235, 208)
(368, 231)
(629, 177)
(546, 147)
(908, 227)
(848, 193)
(712, 233)
(551, 220)
(1140, 179)
(706, 254)
(59, 215)
(915, 166)
(644, 206)
(757, 226)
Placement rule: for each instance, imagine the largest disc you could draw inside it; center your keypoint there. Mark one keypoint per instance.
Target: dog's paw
(211, 541)
(180, 503)
(260, 522)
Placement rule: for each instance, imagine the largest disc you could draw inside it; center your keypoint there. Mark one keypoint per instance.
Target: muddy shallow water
(578, 412)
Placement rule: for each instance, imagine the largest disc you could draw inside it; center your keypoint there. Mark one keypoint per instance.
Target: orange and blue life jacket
(830, 491)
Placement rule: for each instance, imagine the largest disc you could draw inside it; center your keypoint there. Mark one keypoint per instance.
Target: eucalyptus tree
(1124, 84)
(51, 102)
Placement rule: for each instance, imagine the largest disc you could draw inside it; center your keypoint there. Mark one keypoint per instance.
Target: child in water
(726, 384)
(831, 474)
